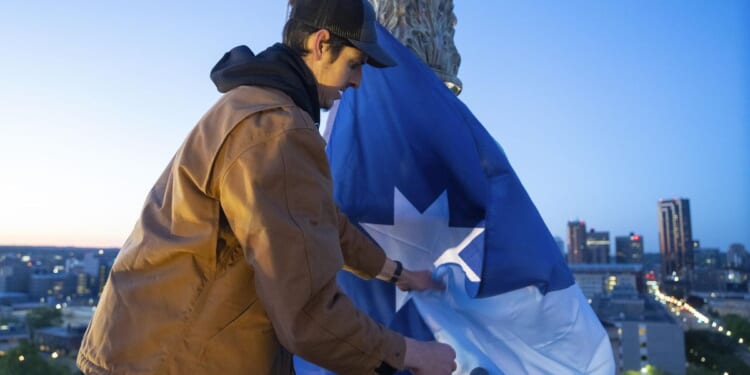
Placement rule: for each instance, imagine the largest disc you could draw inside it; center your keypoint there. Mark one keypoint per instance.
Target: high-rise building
(629, 249)
(576, 241)
(106, 259)
(737, 257)
(738, 272)
(675, 239)
(706, 258)
(708, 275)
(597, 247)
(560, 244)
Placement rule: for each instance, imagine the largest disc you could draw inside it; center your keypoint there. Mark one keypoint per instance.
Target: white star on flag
(423, 241)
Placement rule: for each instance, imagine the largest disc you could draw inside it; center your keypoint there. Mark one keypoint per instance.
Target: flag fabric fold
(418, 172)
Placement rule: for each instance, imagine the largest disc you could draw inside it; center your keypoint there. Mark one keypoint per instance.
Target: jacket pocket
(248, 345)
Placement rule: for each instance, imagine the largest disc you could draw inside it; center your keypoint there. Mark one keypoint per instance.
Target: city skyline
(603, 109)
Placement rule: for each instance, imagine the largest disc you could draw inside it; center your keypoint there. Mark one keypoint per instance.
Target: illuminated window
(611, 282)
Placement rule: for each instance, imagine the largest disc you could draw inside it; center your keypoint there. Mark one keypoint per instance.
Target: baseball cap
(353, 20)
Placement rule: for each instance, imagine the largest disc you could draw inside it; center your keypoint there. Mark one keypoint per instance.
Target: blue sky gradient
(602, 107)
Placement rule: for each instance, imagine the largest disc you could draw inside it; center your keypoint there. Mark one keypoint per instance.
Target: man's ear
(316, 43)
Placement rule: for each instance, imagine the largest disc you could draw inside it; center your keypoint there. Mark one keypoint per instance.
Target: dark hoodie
(277, 67)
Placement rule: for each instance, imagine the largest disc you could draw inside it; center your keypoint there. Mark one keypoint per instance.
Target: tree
(714, 351)
(694, 370)
(43, 317)
(712, 313)
(8, 319)
(26, 360)
(739, 326)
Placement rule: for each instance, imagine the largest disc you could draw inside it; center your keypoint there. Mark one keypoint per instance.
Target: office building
(675, 240)
(708, 275)
(576, 241)
(641, 330)
(707, 258)
(52, 286)
(597, 247)
(656, 342)
(737, 257)
(14, 276)
(596, 280)
(629, 249)
(560, 244)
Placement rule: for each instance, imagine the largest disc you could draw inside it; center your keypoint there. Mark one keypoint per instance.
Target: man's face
(335, 76)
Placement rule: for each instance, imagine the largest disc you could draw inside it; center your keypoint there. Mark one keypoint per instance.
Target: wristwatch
(397, 272)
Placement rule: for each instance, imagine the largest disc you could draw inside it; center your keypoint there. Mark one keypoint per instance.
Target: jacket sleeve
(361, 255)
(277, 197)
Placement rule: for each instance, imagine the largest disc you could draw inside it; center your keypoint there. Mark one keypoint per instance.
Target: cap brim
(376, 55)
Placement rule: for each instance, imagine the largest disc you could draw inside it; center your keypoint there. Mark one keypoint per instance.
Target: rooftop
(605, 267)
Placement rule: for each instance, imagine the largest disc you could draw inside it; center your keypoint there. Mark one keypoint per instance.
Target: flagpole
(426, 27)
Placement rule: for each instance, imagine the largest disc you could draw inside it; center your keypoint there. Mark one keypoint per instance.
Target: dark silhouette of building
(106, 260)
(707, 258)
(652, 265)
(62, 340)
(14, 275)
(708, 272)
(629, 249)
(738, 267)
(737, 257)
(676, 241)
(561, 245)
(596, 280)
(576, 241)
(597, 247)
(46, 287)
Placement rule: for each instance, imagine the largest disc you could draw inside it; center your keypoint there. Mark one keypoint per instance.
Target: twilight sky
(602, 107)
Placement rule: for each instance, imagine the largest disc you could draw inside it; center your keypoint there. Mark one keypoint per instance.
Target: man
(232, 266)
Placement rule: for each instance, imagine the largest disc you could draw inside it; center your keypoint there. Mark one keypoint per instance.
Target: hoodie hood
(278, 67)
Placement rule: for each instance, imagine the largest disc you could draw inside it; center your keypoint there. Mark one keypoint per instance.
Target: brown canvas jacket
(233, 262)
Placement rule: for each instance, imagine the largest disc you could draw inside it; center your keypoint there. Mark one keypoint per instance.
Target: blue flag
(415, 169)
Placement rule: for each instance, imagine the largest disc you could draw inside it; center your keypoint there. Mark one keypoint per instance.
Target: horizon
(118, 248)
(602, 109)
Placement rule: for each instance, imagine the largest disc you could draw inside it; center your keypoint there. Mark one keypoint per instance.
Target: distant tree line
(714, 352)
(27, 360)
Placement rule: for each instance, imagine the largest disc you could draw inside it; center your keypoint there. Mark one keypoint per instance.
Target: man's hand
(417, 280)
(429, 358)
